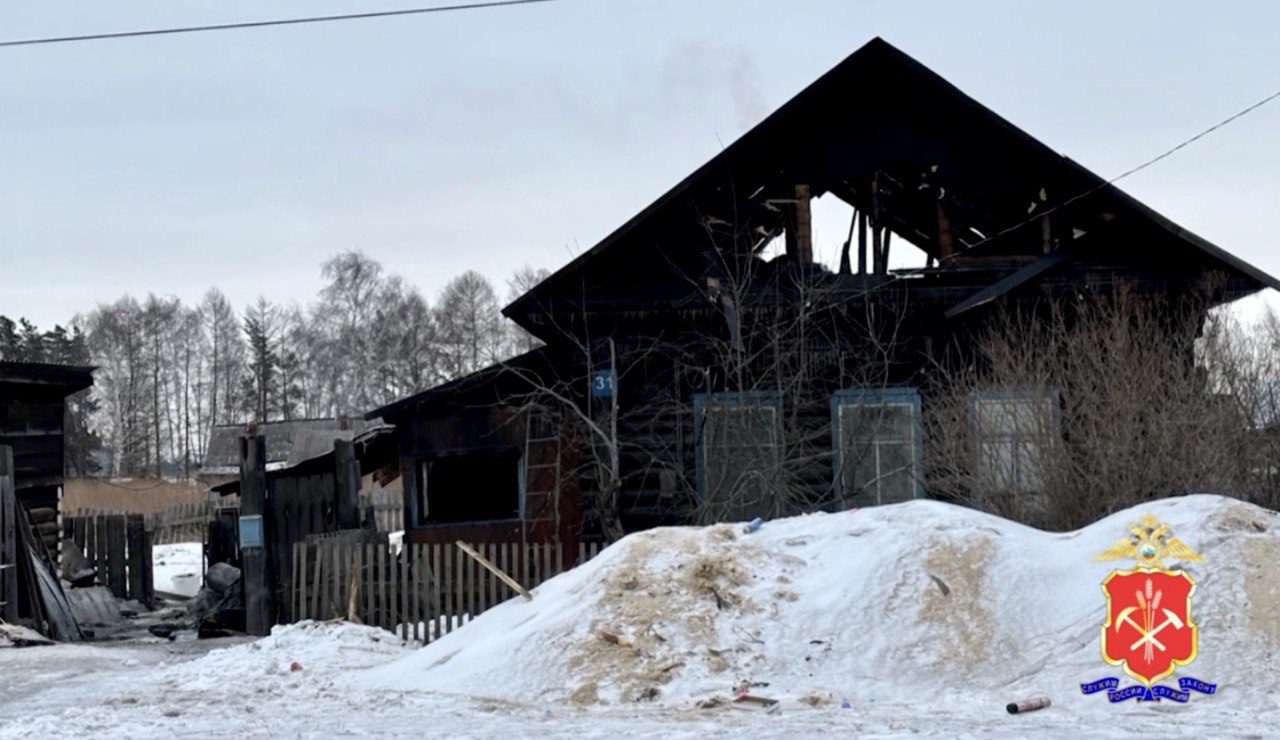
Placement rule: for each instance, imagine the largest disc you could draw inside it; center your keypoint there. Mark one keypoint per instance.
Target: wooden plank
(404, 596)
(471, 588)
(503, 565)
(393, 589)
(100, 550)
(464, 547)
(382, 586)
(353, 588)
(437, 584)
(492, 553)
(300, 562)
(317, 562)
(369, 585)
(135, 535)
(116, 556)
(460, 604)
(8, 538)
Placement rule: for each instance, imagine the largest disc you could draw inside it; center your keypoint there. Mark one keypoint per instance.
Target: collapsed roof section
(928, 163)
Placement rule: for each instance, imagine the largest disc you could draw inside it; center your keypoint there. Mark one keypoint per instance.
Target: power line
(1166, 153)
(263, 24)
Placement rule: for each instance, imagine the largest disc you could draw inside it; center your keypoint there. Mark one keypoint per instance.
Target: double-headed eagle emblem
(1150, 542)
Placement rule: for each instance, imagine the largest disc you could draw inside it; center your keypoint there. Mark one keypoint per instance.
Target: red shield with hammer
(1149, 629)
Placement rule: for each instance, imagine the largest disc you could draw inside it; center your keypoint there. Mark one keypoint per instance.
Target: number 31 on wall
(602, 383)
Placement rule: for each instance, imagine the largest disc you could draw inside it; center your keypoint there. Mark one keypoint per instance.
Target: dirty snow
(925, 618)
(177, 568)
(896, 602)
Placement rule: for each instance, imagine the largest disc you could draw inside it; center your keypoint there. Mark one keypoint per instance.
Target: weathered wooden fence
(421, 592)
(387, 508)
(119, 546)
(185, 521)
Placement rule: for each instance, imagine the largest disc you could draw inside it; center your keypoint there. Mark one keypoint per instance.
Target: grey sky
(489, 139)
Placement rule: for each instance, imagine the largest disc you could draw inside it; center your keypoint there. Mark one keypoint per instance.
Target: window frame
(763, 398)
(422, 501)
(881, 396)
(1054, 436)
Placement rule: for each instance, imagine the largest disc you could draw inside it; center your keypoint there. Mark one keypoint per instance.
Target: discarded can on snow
(1028, 705)
(753, 525)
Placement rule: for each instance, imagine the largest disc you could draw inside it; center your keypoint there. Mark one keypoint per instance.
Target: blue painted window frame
(1054, 397)
(874, 397)
(738, 398)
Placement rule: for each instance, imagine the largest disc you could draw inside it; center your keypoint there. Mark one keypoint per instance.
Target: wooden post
(259, 593)
(862, 242)
(799, 235)
(136, 535)
(346, 483)
(944, 232)
(116, 556)
(8, 538)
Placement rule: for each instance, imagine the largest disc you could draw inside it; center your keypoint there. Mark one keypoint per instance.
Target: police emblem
(1148, 630)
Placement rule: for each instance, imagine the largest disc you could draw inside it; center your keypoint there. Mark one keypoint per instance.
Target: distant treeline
(167, 371)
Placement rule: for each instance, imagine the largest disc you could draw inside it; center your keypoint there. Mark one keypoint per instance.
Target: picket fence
(388, 509)
(185, 521)
(119, 546)
(421, 591)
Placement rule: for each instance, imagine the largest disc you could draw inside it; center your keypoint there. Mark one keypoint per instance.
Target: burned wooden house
(701, 365)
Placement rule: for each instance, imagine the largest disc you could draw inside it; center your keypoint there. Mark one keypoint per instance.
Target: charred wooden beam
(800, 226)
(862, 242)
(1011, 281)
(944, 232)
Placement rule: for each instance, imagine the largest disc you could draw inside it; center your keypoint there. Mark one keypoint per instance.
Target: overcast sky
(489, 139)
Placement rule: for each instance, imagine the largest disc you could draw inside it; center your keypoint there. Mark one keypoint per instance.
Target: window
(877, 445)
(1013, 430)
(476, 486)
(739, 455)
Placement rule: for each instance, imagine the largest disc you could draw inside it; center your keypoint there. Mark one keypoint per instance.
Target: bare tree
(469, 323)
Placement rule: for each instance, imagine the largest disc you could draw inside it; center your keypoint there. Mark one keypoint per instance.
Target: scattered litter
(1028, 705)
(753, 525)
(942, 586)
(295, 666)
(753, 703)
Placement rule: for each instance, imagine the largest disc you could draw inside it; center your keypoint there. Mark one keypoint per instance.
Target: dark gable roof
(63, 379)
(881, 111)
(287, 442)
(494, 383)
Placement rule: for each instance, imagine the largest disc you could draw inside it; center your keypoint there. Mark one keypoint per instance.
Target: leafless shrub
(1073, 411)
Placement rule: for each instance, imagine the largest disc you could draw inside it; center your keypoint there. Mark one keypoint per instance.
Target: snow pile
(897, 602)
(176, 568)
(291, 654)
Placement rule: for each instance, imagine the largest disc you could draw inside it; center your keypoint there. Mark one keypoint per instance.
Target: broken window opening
(471, 487)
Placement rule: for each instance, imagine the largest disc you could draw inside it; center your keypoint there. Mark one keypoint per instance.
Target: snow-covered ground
(924, 618)
(176, 568)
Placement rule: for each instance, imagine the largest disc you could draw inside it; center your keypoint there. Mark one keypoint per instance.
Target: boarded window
(740, 456)
(471, 487)
(1014, 430)
(877, 436)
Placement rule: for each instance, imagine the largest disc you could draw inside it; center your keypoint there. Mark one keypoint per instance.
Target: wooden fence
(185, 521)
(420, 591)
(387, 508)
(119, 546)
